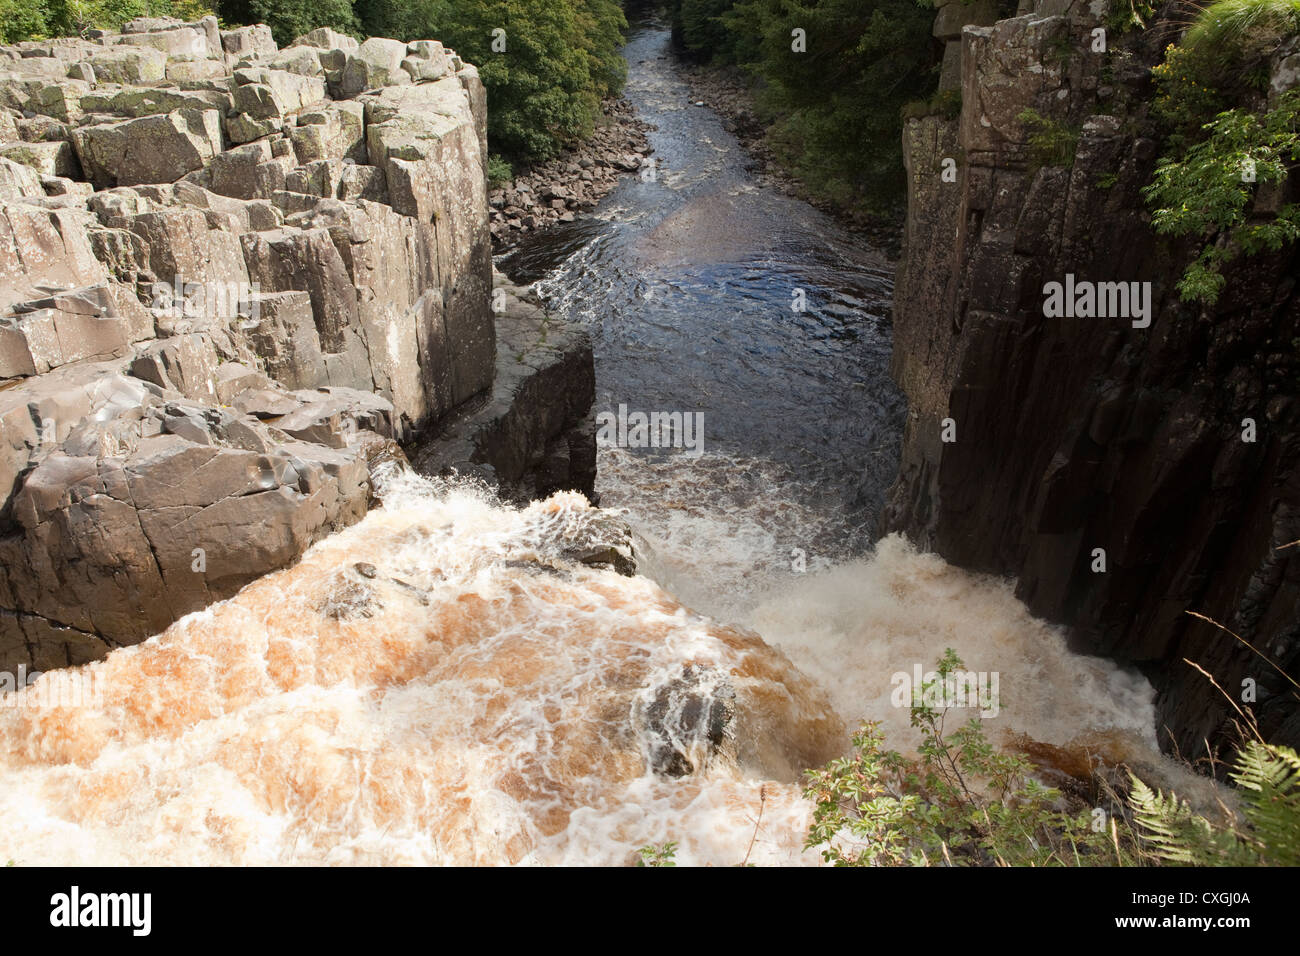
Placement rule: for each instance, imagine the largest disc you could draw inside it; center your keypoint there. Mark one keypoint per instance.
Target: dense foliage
(289, 19)
(960, 801)
(1223, 140)
(1208, 191)
(560, 59)
(33, 19)
(1268, 780)
(22, 20)
(832, 96)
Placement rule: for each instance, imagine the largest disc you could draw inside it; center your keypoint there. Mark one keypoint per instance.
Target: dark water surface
(686, 284)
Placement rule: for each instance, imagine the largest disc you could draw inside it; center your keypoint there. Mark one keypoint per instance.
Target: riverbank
(563, 188)
(727, 92)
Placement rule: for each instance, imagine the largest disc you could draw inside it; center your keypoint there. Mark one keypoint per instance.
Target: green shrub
(1051, 143)
(1126, 15)
(561, 59)
(1235, 24)
(1268, 781)
(35, 19)
(72, 17)
(1208, 192)
(1223, 62)
(657, 855)
(946, 103)
(1186, 95)
(961, 802)
(500, 172)
(290, 19)
(22, 20)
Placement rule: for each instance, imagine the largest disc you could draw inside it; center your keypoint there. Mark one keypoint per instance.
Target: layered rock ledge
(233, 278)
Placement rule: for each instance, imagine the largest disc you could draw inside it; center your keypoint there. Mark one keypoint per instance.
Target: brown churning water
(437, 684)
(444, 683)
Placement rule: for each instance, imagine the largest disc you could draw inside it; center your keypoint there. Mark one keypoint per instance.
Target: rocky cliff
(232, 279)
(1036, 446)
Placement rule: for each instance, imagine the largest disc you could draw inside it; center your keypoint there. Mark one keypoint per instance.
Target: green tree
(30, 19)
(290, 19)
(837, 103)
(22, 20)
(832, 78)
(699, 29)
(1207, 193)
(547, 64)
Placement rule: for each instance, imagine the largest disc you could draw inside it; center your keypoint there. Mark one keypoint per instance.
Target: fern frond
(1174, 833)
(1269, 780)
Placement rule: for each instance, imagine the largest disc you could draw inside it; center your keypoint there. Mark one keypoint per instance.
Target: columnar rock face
(1070, 441)
(231, 276)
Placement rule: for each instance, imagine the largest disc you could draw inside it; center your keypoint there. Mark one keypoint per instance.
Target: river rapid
(442, 683)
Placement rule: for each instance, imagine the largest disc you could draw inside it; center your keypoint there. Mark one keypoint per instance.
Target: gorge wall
(233, 278)
(1073, 434)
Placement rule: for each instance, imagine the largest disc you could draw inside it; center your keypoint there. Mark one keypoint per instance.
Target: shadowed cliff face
(1077, 434)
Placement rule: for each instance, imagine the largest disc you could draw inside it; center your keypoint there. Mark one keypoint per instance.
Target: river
(437, 684)
(708, 294)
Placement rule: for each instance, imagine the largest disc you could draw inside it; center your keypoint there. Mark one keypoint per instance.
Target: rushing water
(444, 683)
(707, 293)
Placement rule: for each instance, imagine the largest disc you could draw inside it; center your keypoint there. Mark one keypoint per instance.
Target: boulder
(18, 181)
(42, 249)
(181, 247)
(74, 326)
(192, 69)
(181, 39)
(148, 101)
(326, 39)
(253, 41)
(284, 338)
(56, 158)
(303, 60)
(376, 63)
(151, 149)
(252, 171)
(185, 364)
(169, 528)
(129, 65)
(333, 131)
